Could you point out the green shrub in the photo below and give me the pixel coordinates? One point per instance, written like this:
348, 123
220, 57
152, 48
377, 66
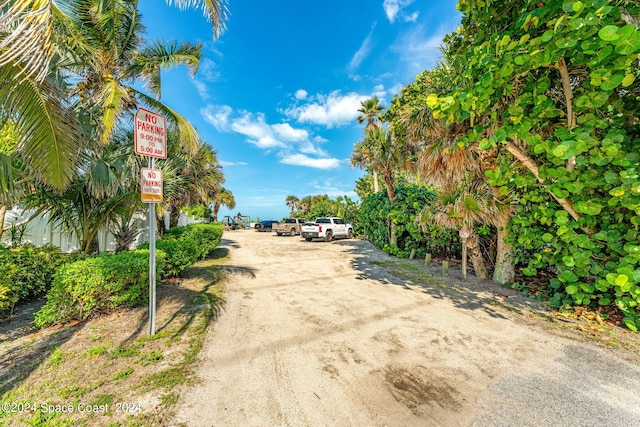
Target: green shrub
98, 285
376, 212
26, 272
205, 235
180, 255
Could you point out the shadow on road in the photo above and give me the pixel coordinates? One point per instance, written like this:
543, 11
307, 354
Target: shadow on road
474, 294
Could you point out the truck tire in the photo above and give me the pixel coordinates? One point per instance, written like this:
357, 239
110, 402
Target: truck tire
292, 232
308, 239
328, 236
278, 233
349, 233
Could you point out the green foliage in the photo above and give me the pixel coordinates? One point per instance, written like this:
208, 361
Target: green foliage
180, 255
197, 211
514, 57
376, 212
97, 285
26, 272
206, 236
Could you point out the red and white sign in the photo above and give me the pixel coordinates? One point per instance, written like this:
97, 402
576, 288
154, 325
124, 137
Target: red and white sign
150, 134
464, 233
151, 185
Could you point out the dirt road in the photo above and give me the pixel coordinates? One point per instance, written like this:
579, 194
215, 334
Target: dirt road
318, 334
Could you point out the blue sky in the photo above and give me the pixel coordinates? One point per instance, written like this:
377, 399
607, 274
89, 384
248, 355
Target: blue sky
277, 94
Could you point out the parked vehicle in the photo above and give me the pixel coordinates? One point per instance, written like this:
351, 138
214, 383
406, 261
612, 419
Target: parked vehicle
290, 226
265, 225
230, 223
327, 229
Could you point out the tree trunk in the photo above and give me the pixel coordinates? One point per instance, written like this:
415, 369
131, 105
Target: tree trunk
3, 213
375, 182
568, 95
391, 193
533, 168
504, 272
174, 216
479, 268
216, 208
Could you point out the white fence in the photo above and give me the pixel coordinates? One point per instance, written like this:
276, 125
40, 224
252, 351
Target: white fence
40, 231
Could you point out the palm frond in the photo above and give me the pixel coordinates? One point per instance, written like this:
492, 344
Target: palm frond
189, 137
158, 56
26, 28
50, 140
215, 11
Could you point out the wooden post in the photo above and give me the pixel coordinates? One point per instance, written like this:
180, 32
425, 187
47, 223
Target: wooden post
427, 259
464, 259
412, 255
445, 268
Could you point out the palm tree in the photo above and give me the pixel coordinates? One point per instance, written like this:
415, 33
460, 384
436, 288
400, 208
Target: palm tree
472, 202
371, 110
379, 151
197, 179
223, 197
292, 203
32, 33
450, 167
117, 57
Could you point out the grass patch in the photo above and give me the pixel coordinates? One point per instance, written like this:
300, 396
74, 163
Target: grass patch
98, 350
166, 379
112, 359
153, 356
123, 352
122, 374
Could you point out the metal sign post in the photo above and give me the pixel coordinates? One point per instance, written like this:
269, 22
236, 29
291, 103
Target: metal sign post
150, 139
152, 263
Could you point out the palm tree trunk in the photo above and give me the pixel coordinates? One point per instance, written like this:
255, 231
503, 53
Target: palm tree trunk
216, 208
3, 213
375, 182
473, 244
504, 272
388, 181
174, 217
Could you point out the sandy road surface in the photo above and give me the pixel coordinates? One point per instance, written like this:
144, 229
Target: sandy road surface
316, 334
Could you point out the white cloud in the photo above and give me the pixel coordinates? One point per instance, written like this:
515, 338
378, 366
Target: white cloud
217, 115
228, 164
257, 130
301, 94
304, 160
208, 70
329, 110
393, 8
362, 52
201, 88
419, 50
379, 91
412, 18
288, 133
294, 145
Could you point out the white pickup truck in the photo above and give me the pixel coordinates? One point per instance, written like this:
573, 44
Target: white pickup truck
327, 229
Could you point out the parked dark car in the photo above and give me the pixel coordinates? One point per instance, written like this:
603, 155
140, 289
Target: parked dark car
265, 225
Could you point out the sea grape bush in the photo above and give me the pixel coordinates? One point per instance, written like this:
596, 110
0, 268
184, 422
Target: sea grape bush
376, 212
554, 87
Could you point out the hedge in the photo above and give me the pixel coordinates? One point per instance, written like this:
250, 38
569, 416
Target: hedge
180, 254
27, 272
97, 285
205, 235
